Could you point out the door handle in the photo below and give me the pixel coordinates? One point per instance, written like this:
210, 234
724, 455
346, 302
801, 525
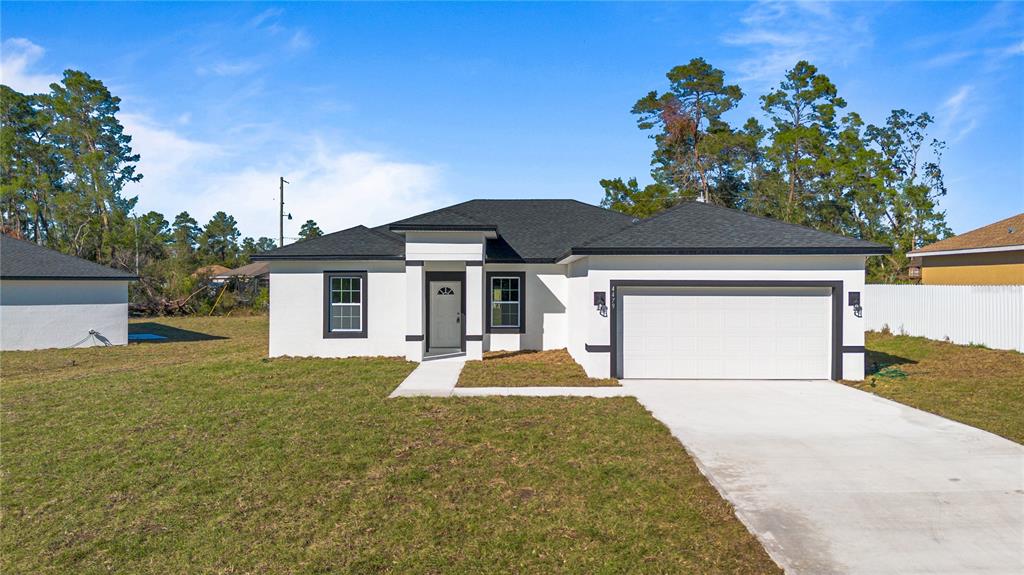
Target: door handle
458, 318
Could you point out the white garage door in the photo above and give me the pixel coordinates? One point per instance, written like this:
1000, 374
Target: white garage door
725, 333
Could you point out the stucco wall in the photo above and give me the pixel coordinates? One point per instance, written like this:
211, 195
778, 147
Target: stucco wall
602, 269
559, 302
997, 268
297, 310
41, 314
547, 299
444, 246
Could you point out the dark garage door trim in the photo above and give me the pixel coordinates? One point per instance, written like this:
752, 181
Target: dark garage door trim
837, 310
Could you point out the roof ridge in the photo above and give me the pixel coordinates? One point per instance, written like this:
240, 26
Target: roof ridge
450, 208
385, 235
765, 218
773, 220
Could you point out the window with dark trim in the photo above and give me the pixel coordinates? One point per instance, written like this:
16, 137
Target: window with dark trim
345, 304
506, 302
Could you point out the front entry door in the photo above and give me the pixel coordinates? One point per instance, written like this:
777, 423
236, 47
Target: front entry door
445, 316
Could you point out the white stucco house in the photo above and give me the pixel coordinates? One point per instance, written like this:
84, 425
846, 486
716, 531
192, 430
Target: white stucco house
49, 299
698, 291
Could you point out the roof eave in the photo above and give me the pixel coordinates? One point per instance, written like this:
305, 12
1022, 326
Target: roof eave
75, 278
985, 250
442, 228
321, 257
848, 251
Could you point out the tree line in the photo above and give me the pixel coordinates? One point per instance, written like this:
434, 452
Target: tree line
66, 160
806, 160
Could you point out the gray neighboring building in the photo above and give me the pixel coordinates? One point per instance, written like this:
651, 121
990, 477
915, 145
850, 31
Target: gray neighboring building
53, 300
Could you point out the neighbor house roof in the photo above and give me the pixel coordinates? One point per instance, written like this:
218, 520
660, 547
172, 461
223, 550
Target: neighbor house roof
1004, 235
255, 269
544, 231
22, 260
211, 270
701, 228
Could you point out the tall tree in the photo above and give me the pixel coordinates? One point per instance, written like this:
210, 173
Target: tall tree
185, 233
219, 240
904, 212
30, 167
99, 162
628, 198
691, 138
309, 230
803, 115
251, 247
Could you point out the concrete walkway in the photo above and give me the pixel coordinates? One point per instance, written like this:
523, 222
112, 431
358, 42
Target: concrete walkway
432, 378
835, 480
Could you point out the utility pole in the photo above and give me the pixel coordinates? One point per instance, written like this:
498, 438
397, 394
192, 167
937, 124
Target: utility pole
280, 238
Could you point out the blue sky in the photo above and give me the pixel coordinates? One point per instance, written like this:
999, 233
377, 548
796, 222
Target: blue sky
379, 111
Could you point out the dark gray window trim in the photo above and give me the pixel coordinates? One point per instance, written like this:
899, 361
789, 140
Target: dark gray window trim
854, 349
326, 298
414, 338
597, 348
488, 294
837, 309
414, 263
446, 276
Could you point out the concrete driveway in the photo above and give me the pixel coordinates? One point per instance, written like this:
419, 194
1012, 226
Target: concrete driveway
834, 480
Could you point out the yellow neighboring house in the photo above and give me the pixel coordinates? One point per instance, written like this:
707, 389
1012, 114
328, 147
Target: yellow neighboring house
991, 255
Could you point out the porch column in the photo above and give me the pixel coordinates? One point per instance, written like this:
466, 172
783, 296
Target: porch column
414, 335
474, 310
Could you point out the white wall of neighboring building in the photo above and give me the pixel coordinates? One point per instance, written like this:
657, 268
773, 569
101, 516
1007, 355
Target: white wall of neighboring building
297, 309
41, 314
600, 270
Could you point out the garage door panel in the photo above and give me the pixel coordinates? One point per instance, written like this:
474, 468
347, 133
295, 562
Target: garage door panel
726, 333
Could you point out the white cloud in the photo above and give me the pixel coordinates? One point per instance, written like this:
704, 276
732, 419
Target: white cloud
779, 35
238, 172
339, 189
18, 55
299, 41
225, 68
1015, 49
958, 115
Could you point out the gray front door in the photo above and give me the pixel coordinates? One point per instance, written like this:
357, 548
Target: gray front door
445, 316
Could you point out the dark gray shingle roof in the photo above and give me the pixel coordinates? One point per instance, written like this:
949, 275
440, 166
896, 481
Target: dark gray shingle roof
538, 231
358, 243
25, 260
699, 228
528, 230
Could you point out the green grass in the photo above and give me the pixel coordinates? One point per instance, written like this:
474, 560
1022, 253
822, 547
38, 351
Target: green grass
201, 456
528, 368
971, 384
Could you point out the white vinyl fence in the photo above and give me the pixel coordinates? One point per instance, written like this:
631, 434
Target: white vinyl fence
992, 316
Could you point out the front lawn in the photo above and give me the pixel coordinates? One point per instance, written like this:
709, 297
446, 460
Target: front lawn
527, 369
201, 456
974, 385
